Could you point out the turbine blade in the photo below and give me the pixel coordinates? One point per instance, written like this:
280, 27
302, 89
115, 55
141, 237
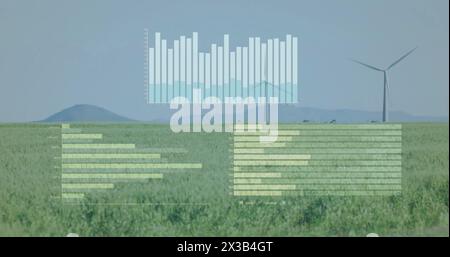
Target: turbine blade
401, 58
278, 87
367, 65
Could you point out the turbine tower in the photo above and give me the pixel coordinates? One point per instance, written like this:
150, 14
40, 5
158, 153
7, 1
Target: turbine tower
386, 81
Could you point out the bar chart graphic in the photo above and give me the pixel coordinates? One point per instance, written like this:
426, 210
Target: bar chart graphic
90, 166
319, 159
260, 69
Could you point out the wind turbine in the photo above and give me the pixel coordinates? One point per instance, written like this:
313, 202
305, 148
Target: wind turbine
265, 83
386, 82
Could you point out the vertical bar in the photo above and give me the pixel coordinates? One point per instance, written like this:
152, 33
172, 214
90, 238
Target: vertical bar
207, 75
232, 84
195, 59
164, 71
226, 65
295, 69
157, 66
213, 69
183, 66
220, 72
282, 72
276, 68
289, 68
146, 67
238, 71
176, 50
151, 68
257, 86
251, 67
270, 66
201, 69
189, 68
169, 75
263, 88
245, 72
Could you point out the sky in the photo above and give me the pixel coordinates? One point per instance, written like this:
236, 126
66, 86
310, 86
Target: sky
58, 53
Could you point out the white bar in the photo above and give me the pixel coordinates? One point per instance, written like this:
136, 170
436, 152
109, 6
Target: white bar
282, 72
289, 68
208, 73
163, 64
183, 66
276, 60
201, 76
158, 58
201, 68
257, 87
170, 68
238, 71
232, 74
151, 67
251, 64
189, 62
170, 86
220, 71
176, 50
195, 58
263, 65
213, 69
264, 87
232, 65
226, 64
245, 71
294, 68
270, 63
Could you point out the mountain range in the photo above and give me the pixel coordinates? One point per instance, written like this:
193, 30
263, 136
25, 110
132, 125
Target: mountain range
287, 114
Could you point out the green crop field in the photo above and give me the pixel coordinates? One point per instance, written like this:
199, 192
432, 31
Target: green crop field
197, 201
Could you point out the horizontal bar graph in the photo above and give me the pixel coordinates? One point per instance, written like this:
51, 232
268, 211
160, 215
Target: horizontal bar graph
111, 176
318, 159
92, 167
72, 195
111, 156
98, 146
261, 69
131, 166
82, 136
88, 186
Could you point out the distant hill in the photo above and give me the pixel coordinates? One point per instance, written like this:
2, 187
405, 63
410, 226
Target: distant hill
85, 113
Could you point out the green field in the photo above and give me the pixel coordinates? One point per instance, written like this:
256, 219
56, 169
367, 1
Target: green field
198, 202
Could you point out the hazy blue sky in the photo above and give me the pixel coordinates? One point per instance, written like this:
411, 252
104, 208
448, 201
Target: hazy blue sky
54, 54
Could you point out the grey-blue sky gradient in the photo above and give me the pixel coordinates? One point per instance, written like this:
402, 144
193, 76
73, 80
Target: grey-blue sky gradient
54, 54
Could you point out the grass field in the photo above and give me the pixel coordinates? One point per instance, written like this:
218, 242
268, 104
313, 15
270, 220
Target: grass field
197, 203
